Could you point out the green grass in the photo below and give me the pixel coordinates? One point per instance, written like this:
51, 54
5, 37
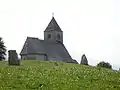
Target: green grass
36, 75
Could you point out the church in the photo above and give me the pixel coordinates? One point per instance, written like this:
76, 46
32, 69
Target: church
49, 49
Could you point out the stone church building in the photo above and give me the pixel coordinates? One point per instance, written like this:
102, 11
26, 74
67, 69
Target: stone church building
49, 49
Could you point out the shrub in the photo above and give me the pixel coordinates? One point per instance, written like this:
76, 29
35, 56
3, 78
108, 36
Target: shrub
104, 64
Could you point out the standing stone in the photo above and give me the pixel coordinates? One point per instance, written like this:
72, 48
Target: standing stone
84, 60
13, 58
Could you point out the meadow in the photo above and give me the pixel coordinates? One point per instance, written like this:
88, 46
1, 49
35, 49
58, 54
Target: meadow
39, 75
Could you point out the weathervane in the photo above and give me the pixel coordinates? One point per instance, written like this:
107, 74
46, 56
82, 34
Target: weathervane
53, 14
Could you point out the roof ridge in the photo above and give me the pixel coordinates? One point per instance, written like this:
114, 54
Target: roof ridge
32, 38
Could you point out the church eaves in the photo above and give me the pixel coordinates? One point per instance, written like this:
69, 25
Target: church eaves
53, 26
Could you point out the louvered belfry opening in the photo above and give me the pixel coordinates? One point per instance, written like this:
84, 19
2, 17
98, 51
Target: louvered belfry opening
53, 32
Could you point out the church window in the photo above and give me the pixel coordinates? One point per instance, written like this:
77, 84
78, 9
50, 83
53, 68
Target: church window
58, 36
49, 35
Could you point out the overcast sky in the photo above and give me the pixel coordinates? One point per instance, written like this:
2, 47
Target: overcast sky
90, 26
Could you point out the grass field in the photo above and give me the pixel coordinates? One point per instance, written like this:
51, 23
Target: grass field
36, 75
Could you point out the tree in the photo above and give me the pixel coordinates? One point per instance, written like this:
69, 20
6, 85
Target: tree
84, 60
2, 50
104, 64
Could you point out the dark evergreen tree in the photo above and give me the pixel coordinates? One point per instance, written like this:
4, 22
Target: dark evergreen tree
104, 64
84, 60
2, 50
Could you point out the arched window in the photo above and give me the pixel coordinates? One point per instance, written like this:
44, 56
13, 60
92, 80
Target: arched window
49, 35
58, 36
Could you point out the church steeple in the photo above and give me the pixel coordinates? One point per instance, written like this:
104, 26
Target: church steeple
53, 26
53, 32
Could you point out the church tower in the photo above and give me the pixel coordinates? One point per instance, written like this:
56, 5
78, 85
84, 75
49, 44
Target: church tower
53, 32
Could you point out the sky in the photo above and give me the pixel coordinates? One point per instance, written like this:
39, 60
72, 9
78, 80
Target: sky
90, 27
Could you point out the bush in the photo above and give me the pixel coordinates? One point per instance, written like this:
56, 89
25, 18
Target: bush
104, 64
84, 60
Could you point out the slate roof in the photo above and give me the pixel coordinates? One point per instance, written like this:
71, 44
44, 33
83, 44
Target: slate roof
74, 61
52, 49
53, 26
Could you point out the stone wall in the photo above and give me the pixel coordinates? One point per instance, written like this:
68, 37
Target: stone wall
34, 57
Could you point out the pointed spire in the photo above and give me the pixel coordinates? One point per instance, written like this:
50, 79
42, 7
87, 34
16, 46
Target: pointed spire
53, 25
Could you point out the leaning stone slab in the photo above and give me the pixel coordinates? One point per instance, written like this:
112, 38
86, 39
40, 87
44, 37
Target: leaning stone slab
13, 58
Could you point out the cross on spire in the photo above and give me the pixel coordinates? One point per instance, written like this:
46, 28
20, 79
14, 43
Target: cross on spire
53, 14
